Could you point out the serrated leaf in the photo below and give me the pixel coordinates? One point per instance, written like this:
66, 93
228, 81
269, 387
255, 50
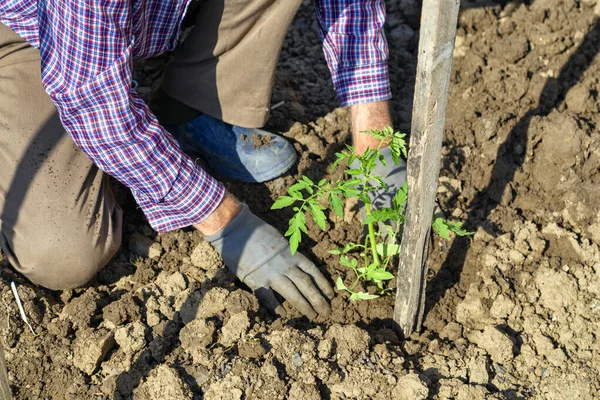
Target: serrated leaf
349, 262
456, 227
321, 182
295, 241
317, 213
339, 158
400, 198
388, 249
381, 275
440, 226
283, 201
337, 205
353, 171
352, 182
362, 296
383, 215
295, 194
307, 180
351, 192
339, 284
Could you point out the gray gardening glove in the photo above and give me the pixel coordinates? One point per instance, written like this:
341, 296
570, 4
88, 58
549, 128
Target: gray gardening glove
260, 257
394, 176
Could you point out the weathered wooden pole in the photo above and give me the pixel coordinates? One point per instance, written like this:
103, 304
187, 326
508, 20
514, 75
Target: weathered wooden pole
436, 44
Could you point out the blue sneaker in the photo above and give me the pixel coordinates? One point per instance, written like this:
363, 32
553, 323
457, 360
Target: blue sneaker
233, 152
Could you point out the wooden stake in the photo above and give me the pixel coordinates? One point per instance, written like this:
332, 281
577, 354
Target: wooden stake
436, 44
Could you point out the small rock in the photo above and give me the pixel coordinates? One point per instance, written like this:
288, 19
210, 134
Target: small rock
478, 372
452, 331
410, 387
251, 349
90, 348
543, 345
502, 307
206, 257
304, 391
123, 310
234, 329
144, 246
203, 305
131, 337
82, 309
325, 349
197, 334
163, 383
297, 360
239, 301
557, 357
498, 345
350, 342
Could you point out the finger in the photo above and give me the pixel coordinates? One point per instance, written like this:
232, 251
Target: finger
311, 269
266, 297
287, 289
307, 287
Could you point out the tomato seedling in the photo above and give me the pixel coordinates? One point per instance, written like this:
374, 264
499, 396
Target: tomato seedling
369, 260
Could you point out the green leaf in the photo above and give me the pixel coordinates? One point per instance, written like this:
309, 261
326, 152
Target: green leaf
440, 226
339, 158
342, 250
283, 201
339, 284
383, 215
400, 198
353, 171
337, 205
362, 296
351, 182
388, 249
295, 194
351, 192
349, 262
456, 227
295, 240
381, 275
317, 213
321, 182
297, 222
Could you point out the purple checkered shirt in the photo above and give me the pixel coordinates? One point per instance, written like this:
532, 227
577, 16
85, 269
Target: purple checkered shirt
87, 49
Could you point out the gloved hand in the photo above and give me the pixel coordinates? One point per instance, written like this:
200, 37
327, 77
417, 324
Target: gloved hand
260, 257
394, 176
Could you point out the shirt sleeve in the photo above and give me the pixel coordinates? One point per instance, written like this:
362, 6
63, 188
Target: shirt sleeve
86, 50
355, 48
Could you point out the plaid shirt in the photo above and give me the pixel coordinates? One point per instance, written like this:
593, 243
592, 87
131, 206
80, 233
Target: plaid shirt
87, 50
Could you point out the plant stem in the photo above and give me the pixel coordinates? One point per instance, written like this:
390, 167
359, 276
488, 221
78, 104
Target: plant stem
372, 236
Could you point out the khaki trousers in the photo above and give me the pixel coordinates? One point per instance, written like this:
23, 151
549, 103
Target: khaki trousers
59, 223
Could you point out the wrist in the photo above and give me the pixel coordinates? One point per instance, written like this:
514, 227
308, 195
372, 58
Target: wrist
366, 117
225, 212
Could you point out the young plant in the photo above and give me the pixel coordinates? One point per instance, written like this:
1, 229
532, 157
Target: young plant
369, 260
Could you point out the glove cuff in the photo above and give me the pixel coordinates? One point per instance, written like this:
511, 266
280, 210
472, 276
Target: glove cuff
234, 225
247, 243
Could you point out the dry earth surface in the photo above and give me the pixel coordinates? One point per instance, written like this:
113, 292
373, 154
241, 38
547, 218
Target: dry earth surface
512, 312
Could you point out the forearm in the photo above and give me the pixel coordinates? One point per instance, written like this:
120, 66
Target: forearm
226, 211
366, 117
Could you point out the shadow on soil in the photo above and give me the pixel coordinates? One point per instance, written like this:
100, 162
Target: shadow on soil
507, 164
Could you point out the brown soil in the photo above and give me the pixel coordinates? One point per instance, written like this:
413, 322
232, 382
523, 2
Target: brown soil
512, 312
